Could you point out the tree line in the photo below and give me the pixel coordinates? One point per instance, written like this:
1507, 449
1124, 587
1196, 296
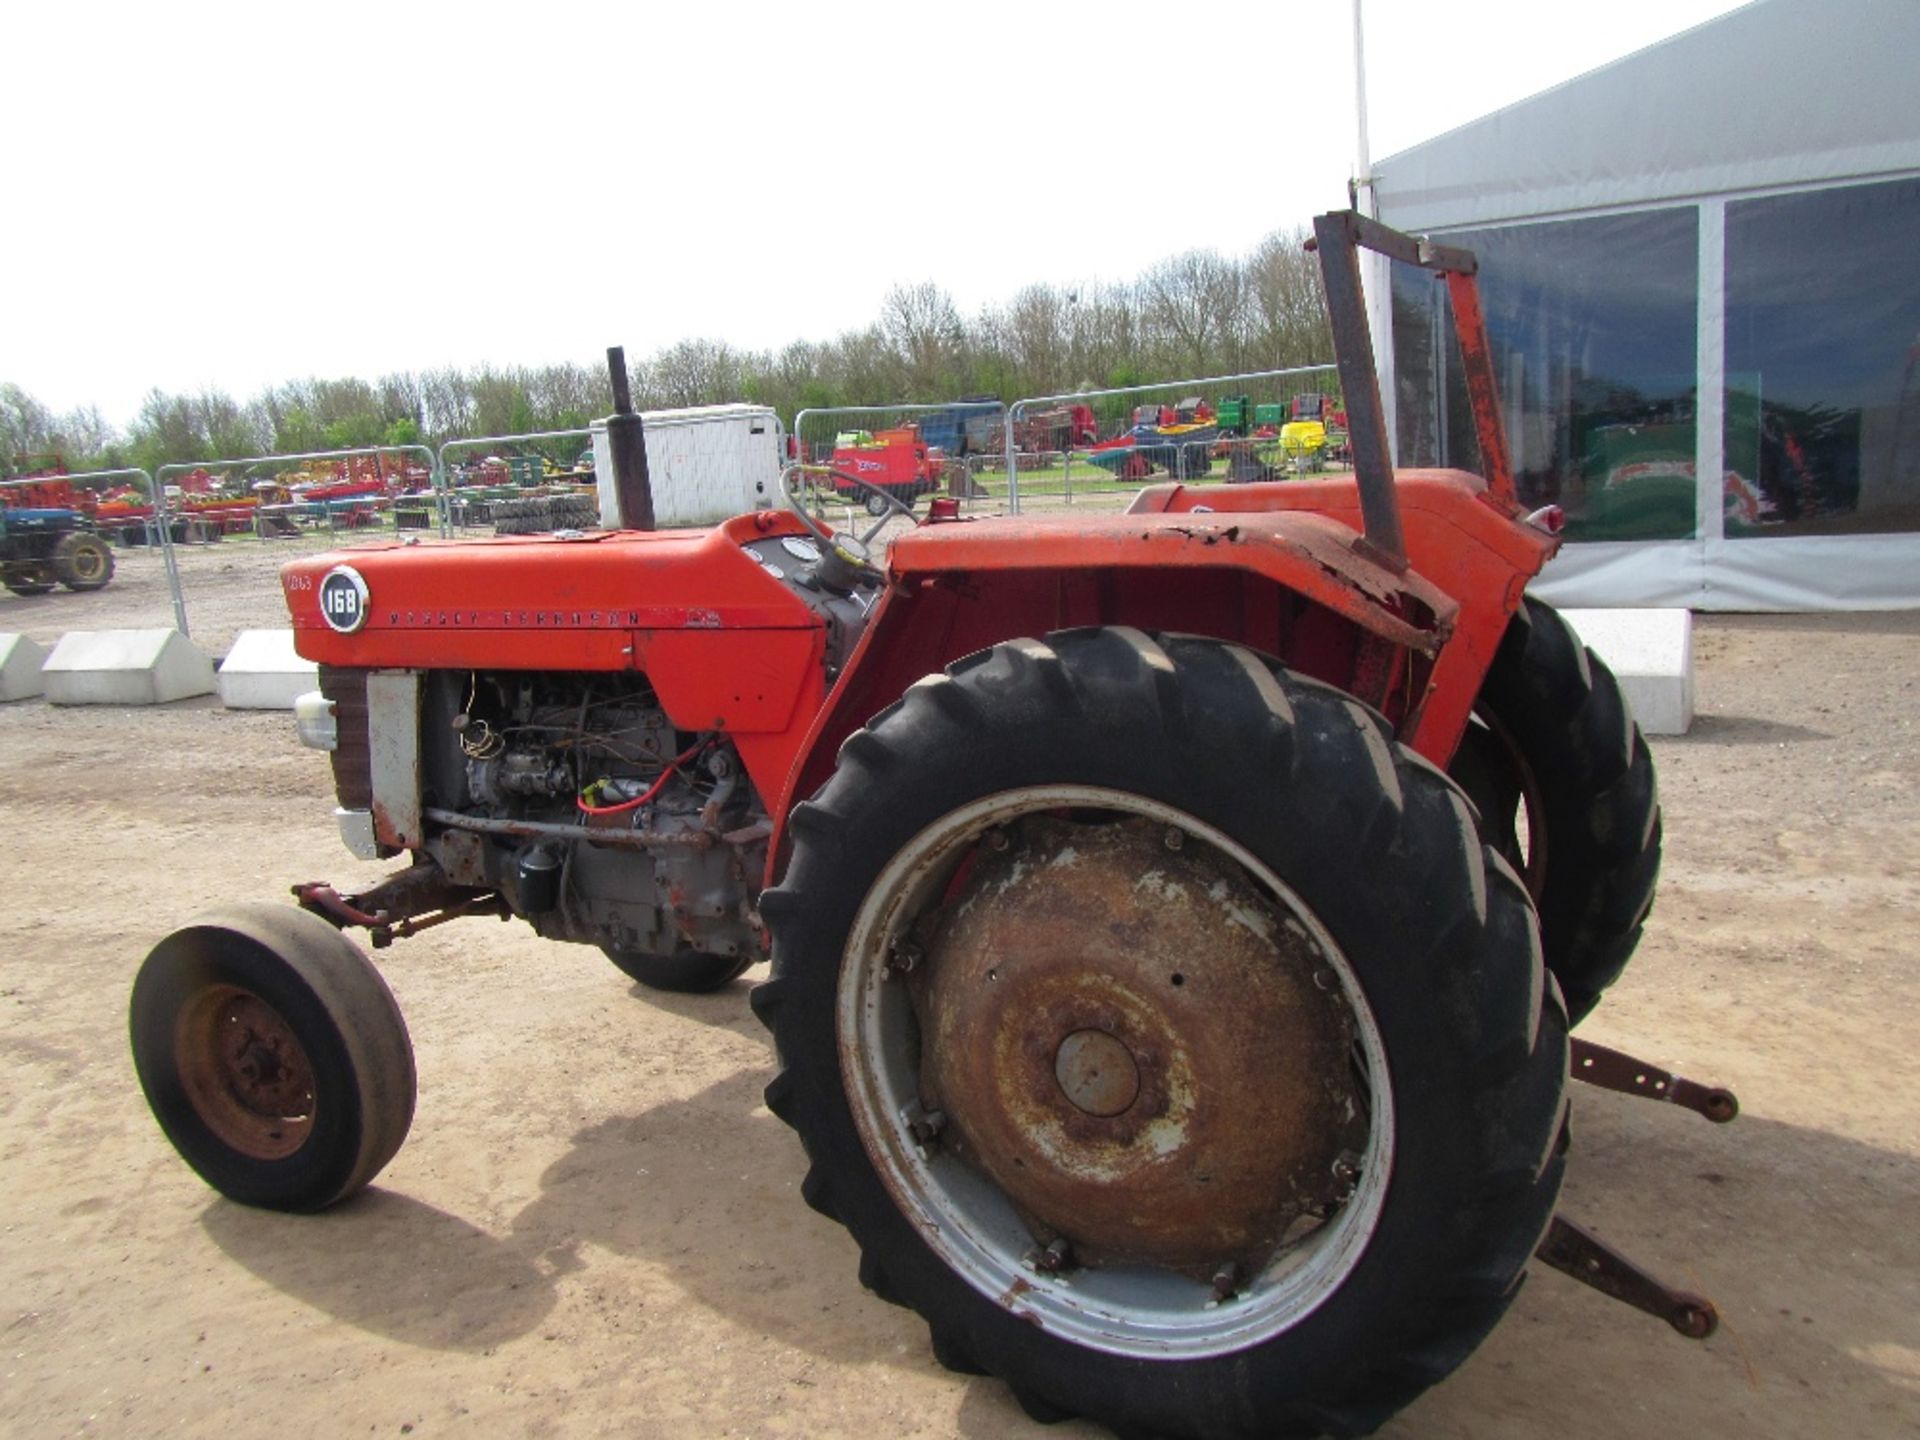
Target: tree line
1199, 313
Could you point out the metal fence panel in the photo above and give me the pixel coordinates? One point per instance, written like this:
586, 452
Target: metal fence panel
491, 480
1100, 446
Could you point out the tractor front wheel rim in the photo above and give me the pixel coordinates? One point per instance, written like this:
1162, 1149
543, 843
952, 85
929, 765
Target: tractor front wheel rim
245, 1072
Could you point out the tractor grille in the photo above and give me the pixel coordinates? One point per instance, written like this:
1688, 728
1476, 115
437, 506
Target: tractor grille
352, 754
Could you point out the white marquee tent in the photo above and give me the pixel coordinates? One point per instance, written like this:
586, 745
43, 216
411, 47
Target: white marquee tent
1702, 270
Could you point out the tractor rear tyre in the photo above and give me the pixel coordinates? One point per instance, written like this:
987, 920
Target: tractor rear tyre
1121, 1076
689, 972
574, 512
273, 1056
522, 517
82, 561
1554, 745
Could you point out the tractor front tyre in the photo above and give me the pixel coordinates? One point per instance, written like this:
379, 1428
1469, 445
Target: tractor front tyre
687, 972
1565, 788
1180, 1100
273, 1056
82, 561
30, 577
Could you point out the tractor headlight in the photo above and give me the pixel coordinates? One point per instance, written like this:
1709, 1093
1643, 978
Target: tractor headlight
313, 718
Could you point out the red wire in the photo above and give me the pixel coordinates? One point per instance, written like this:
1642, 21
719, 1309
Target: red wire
651, 791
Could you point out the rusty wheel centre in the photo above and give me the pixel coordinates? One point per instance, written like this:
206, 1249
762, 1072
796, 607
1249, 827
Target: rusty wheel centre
1128, 1038
246, 1072
1124, 1076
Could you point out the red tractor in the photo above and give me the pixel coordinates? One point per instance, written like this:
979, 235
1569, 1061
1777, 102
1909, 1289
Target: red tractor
1176, 918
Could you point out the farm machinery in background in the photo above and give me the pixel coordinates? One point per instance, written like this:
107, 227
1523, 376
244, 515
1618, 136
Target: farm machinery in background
1055, 430
47, 534
1178, 439
1176, 917
971, 425
885, 470
1315, 433
1259, 441
201, 507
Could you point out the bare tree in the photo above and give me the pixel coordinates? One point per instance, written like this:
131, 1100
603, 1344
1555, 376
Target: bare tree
1289, 312
925, 333
1192, 307
26, 426
694, 372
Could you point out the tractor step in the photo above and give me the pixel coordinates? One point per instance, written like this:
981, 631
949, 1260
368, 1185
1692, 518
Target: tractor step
1617, 1070
1573, 1250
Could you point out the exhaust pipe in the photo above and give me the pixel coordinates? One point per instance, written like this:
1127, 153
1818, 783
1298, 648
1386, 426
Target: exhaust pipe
627, 444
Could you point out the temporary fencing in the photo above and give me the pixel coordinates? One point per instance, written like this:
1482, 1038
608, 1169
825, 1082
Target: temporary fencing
516, 483
1100, 446
1093, 447
907, 450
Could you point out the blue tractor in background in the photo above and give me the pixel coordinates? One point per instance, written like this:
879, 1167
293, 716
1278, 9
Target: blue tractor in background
47, 538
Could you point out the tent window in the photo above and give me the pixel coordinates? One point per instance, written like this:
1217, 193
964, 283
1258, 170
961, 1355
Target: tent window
1823, 362
1593, 326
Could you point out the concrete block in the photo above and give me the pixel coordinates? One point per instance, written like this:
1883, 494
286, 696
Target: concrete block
1651, 653
20, 662
261, 672
125, 667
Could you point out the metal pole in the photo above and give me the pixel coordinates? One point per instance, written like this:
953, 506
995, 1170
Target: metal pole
168, 560
1013, 464
1364, 162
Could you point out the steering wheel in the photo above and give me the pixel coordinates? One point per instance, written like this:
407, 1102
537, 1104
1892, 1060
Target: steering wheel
860, 547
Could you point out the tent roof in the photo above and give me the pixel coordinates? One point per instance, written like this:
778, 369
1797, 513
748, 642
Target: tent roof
1778, 93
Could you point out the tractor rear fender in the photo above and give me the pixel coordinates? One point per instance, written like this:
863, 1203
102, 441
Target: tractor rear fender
1476, 547
1300, 588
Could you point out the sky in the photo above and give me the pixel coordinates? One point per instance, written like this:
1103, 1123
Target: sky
210, 194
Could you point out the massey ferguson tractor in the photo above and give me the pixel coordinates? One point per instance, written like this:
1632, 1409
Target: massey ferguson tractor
1176, 917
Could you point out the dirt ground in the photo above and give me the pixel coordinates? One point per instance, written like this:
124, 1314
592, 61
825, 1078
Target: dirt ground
596, 1227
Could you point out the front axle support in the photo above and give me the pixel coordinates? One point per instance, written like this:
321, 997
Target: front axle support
414, 899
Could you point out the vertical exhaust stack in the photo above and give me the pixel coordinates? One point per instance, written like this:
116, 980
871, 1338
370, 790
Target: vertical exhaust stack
627, 445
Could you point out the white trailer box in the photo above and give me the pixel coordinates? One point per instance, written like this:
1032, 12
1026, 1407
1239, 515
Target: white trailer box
706, 463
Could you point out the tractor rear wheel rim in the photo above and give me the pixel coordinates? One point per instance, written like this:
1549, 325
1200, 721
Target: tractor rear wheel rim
1037, 1181
246, 1072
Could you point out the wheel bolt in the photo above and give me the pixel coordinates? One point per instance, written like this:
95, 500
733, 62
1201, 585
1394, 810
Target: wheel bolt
997, 839
1346, 1172
1174, 837
1226, 1282
906, 955
926, 1128
1051, 1261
